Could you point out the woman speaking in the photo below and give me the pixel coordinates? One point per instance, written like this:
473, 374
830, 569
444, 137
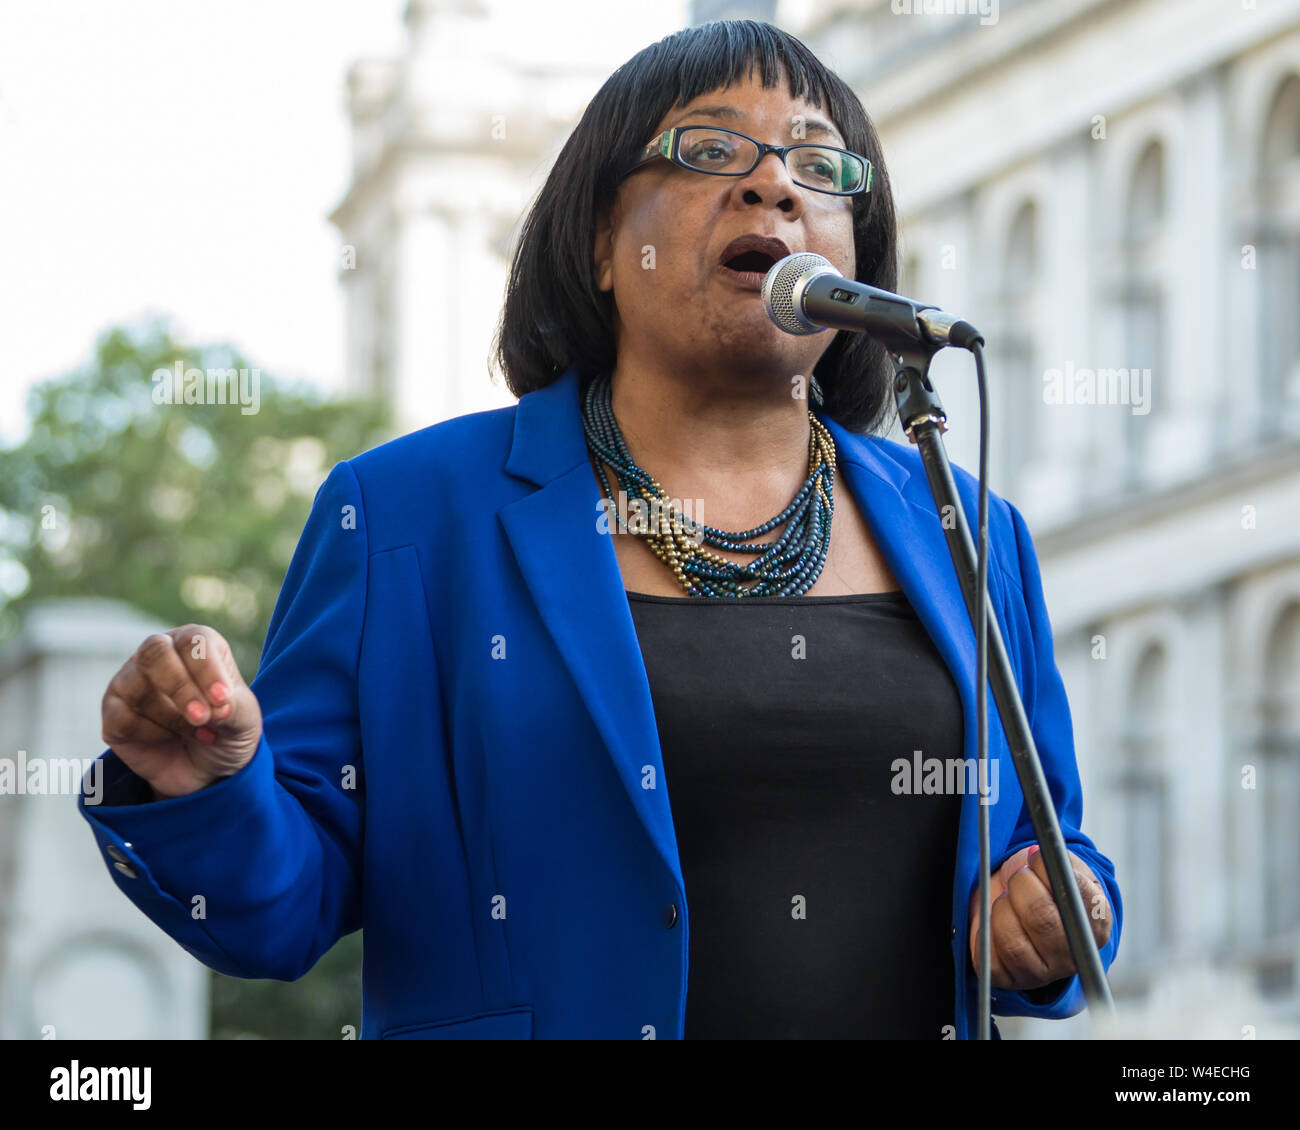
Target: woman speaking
629, 711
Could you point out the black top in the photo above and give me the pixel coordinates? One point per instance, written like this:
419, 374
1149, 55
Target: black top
819, 893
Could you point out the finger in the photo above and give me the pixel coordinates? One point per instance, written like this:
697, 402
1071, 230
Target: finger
1095, 902
164, 667
122, 724
211, 666
1098, 908
1082, 872
146, 703
996, 887
996, 891
1031, 896
1014, 863
999, 974
1016, 952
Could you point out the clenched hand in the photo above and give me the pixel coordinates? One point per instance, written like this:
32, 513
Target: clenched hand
179, 714
1027, 943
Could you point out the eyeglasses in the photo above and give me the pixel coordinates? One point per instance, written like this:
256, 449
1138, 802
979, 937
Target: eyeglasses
726, 153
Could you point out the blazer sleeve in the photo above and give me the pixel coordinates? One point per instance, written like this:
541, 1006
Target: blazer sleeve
259, 874
1048, 712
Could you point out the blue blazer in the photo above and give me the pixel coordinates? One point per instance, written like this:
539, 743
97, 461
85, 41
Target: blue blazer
457, 728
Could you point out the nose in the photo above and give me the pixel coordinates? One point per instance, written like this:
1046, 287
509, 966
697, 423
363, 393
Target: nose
769, 182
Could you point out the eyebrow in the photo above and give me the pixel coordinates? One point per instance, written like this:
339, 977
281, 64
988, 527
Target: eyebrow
730, 113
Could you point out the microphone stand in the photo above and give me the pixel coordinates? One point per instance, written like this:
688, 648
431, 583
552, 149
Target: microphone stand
923, 420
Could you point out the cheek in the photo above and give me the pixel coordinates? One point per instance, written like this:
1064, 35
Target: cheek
848, 266
832, 236
657, 243
641, 254
651, 252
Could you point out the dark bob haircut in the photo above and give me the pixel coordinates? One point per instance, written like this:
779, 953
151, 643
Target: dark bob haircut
554, 313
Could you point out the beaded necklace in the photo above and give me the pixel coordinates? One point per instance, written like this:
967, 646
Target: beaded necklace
788, 566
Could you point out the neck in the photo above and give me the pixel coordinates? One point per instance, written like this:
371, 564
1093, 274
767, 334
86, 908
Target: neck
738, 440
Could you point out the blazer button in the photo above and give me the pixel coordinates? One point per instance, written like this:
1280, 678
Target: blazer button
113, 851
126, 870
670, 916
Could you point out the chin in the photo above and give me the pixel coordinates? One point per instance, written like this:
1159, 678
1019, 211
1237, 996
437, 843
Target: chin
775, 361
760, 338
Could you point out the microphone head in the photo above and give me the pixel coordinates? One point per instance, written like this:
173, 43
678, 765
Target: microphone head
783, 290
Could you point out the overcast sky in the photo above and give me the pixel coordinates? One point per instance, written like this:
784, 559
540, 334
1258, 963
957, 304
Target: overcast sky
180, 157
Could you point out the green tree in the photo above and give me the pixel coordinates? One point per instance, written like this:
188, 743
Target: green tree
189, 512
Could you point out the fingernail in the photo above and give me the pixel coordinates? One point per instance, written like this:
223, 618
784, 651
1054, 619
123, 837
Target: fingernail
205, 735
1033, 849
196, 710
218, 692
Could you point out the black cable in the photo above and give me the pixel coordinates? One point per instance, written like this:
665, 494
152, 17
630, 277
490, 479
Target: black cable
981, 699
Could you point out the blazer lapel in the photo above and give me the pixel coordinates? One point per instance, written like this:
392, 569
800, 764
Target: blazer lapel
572, 573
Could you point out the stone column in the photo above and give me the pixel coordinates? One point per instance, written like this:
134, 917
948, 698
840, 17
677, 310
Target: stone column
78, 960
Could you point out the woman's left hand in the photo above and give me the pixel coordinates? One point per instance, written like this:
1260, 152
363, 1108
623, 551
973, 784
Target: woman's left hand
1027, 944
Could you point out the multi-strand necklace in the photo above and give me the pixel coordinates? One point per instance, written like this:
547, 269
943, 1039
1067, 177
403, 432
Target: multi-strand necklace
788, 566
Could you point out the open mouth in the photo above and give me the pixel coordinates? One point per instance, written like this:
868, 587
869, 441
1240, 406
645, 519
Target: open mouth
750, 262
747, 259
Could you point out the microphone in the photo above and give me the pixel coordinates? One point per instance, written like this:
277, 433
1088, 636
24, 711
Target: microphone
805, 294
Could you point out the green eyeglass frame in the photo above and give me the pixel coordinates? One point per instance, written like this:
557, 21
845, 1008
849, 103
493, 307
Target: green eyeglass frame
668, 144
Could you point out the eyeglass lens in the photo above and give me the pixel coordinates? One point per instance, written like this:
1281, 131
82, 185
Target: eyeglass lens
813, 166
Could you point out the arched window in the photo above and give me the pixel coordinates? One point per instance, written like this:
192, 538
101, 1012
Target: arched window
1144, 302
1279, 774
1143, 789
1279, 263
1020, 384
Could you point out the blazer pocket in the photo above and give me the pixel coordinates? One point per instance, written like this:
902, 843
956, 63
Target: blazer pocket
510, 1024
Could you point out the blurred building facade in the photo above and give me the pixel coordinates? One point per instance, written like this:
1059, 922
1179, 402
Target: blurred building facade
1111, 192
438, 190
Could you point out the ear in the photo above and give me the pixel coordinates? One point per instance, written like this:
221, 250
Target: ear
604, 249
